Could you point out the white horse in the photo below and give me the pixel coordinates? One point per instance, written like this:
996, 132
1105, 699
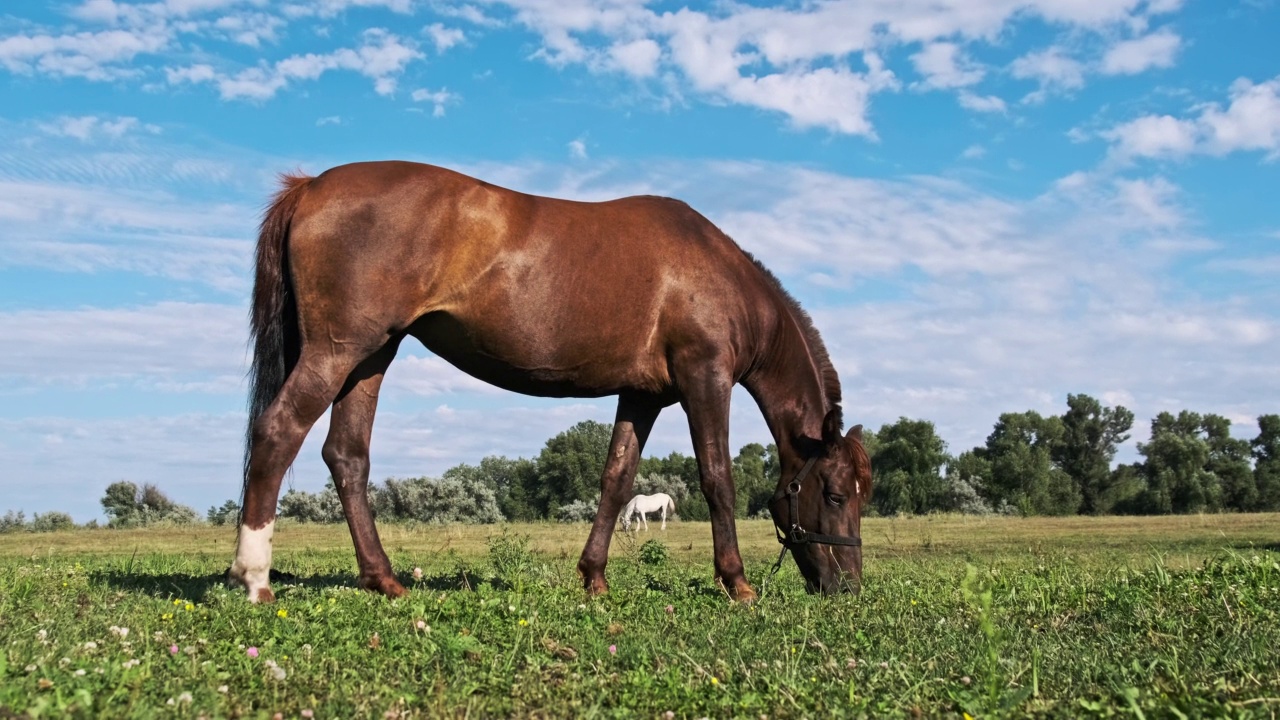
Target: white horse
644, 504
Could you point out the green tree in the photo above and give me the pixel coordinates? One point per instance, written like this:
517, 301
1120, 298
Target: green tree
510, 480
1022, 470
906, 466
569, 467
1266, 457
1125, 491
1229, 464
1087, 445
228, 514
1176, 460
755, 478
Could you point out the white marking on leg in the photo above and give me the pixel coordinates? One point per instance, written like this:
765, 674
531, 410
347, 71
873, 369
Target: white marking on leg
253, 559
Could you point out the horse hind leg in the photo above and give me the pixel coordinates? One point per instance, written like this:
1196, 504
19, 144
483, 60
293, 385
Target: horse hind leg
631, 428
276, 437
346, 452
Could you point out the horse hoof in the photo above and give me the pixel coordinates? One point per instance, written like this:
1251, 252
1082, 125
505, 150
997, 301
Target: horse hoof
741, 592
596, 586
259, 593
384, 585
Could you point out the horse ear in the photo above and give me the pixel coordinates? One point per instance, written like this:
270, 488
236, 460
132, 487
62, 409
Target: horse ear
831, 425
855, 433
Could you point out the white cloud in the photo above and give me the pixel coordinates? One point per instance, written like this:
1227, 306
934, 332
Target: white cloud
578, 149
1251, 122
88, 127
90, 55
1131, 57
981, 103
1052, 68
637, 57
801, 60
146, 345
944, 66
438, 98
973, 152
381, 57
329, 120
444, 37
1154, 136
468, 13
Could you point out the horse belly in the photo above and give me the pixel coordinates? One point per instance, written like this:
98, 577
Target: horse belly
523, 357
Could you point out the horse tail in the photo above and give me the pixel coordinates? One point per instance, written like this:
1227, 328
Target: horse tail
273, 319
671, 505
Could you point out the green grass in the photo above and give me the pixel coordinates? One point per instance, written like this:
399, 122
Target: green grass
1156, 617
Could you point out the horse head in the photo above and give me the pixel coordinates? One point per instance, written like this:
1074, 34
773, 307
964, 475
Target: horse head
818, 512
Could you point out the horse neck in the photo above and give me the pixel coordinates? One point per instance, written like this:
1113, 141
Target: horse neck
787, 386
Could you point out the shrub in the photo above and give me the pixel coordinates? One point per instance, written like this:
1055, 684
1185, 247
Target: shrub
653, 552
127, 505
51, 522
577, 511
962, 497
436, 501
13, 522
303, 506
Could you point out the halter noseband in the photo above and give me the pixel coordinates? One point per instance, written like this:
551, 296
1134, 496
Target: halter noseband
797, 535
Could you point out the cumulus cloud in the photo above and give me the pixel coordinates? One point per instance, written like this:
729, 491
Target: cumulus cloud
981, 103
97, 55
439, 99
1249, 122
1053, 68
381, 57
444, 37
1130, 57
943, 65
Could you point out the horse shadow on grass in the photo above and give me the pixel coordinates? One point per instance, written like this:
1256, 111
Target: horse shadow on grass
1267, 546
195, 587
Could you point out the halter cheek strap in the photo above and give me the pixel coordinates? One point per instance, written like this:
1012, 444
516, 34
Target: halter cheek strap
797, 535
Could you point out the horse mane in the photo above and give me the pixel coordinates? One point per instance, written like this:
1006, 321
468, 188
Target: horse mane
817, 349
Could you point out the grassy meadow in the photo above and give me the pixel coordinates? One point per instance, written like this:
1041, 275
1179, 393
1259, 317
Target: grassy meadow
989, 617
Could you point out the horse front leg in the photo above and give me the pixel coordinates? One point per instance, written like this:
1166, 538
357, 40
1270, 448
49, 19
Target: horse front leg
631, 428
706, 402
346, 452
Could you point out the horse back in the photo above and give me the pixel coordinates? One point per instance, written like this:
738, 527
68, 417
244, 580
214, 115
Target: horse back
536, 294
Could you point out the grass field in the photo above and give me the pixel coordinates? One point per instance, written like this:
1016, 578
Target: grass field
1000, 617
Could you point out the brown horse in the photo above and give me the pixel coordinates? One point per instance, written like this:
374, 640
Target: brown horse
640, 297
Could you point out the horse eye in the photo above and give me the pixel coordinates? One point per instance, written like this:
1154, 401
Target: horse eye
835, 498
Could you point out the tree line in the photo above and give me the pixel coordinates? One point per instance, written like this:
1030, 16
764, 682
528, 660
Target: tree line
1030, 464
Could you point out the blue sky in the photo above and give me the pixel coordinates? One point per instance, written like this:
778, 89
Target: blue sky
986, 204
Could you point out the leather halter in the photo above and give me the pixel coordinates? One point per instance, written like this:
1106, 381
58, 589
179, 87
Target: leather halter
797, 535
